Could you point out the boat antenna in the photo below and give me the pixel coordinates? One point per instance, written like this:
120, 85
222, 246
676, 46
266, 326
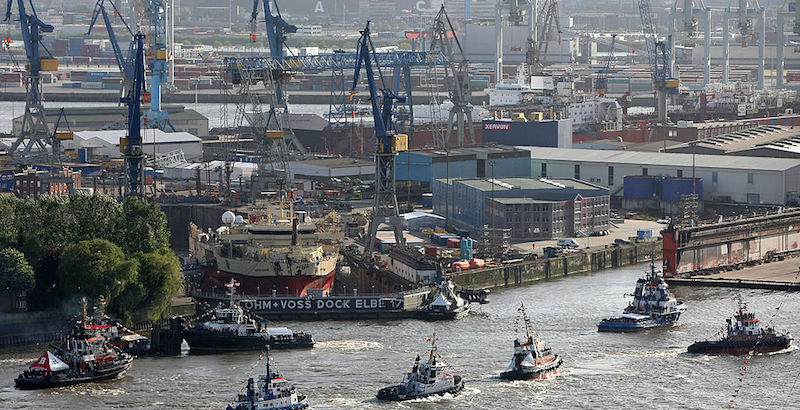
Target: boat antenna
526, 321
232, 289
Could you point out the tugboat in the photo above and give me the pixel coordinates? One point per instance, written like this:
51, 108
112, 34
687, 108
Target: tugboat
533, 359
744, 334
116, 333
270, 391
83, 356
232, 330
443, 303
427, 378
653, 306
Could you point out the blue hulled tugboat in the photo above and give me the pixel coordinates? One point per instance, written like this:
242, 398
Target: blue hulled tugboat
744, 334
533, 359
653, 306
427, 378
270, 392
232, 330
83, 356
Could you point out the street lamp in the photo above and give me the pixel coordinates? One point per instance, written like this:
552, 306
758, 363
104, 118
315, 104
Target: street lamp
213, 291
491, 207
258, 288
287, 291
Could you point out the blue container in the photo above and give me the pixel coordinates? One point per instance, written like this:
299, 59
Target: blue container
6, 182
427, 200
639, 187
83, 155
644, 234
95, 76
672, 189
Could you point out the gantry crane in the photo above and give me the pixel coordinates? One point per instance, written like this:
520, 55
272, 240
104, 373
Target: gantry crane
131, 145
744, 24
277, 30
658, 57
602, 77
35, 135
125, 63
791, 10
456, 80
691, 10
540, 34
388, 142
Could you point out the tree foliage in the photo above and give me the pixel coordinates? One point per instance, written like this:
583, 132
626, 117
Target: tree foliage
160, 275
143, 227
15, 273
95, 268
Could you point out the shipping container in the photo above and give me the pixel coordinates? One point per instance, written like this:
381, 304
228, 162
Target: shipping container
672, 189
639, 187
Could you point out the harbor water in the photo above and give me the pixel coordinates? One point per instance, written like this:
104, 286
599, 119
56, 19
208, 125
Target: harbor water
352, 360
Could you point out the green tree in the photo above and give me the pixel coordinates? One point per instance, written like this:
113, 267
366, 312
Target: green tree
16, 274
96, 268
142, 227
93, 217
9, 232
160, 276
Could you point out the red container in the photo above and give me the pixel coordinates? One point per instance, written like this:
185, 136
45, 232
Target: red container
431, 251
454, 243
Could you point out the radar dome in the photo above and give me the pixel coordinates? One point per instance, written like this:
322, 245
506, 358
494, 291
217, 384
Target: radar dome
228, 217
239, 219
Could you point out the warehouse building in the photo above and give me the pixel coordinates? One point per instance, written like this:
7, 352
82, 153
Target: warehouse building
533, 208
764, 141
323, 169
469, 162
115, 118
105, 144
726, 178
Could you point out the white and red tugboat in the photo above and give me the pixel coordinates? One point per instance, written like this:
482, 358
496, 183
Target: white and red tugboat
533, 359
745, 334
83, 356
270, 392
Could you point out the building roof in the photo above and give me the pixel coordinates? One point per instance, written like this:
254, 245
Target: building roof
506, 184
662, 158
153, 136
336, 162
119, 113
512, 201
739, 140
455, 154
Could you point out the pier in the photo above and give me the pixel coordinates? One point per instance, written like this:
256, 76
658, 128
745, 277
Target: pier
779, 275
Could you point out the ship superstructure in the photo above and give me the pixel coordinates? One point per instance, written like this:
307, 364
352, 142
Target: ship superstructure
533, 358
744, 334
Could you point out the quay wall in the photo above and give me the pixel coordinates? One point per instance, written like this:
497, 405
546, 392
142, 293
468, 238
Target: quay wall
543, 269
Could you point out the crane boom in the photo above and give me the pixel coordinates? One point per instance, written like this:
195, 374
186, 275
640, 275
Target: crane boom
125, 64
131, 146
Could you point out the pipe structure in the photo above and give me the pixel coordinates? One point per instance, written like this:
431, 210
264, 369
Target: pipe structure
498, 51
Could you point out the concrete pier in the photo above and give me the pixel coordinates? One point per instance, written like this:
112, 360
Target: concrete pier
780, 275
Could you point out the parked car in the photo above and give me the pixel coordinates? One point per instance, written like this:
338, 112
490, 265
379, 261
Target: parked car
664, 221
620, 241
567, 242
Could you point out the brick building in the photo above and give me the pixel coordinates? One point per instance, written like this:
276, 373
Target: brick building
33, 183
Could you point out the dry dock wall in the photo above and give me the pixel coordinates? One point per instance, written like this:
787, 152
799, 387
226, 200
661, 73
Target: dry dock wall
542, 269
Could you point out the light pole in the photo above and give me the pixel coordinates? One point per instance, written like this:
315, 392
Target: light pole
258, 288
491, 207
287, 291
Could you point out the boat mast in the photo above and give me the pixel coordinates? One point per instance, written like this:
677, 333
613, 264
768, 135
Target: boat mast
527, 323
433, 348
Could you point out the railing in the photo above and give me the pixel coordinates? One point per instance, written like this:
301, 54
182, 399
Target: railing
337, 61
147, 325
17, 340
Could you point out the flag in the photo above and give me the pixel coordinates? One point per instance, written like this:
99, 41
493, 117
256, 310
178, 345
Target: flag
260, 356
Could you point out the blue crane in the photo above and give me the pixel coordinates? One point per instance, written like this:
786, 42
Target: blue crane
602, 77
125, 63
277, 30
388, 142
158, 63
658, 56
35, 131
131, 145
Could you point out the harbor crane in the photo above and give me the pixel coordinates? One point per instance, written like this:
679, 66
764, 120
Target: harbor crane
131, 145
277, 125
388, 142
689, 13
37, 141
791, 10
743, 14
456, 80
159, 60
602, 77
658, 56
125, 63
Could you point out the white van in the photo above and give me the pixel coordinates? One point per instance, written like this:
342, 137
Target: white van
567, 242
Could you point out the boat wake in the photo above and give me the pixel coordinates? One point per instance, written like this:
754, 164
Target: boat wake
349, 345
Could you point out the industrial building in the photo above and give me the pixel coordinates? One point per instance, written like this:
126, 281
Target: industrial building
33, 183
727, 178
533, 208
520, 131
468, 162
764, 141
105, 144
115, 118
323, 169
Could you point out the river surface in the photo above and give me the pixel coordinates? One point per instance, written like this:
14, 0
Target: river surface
352, 360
